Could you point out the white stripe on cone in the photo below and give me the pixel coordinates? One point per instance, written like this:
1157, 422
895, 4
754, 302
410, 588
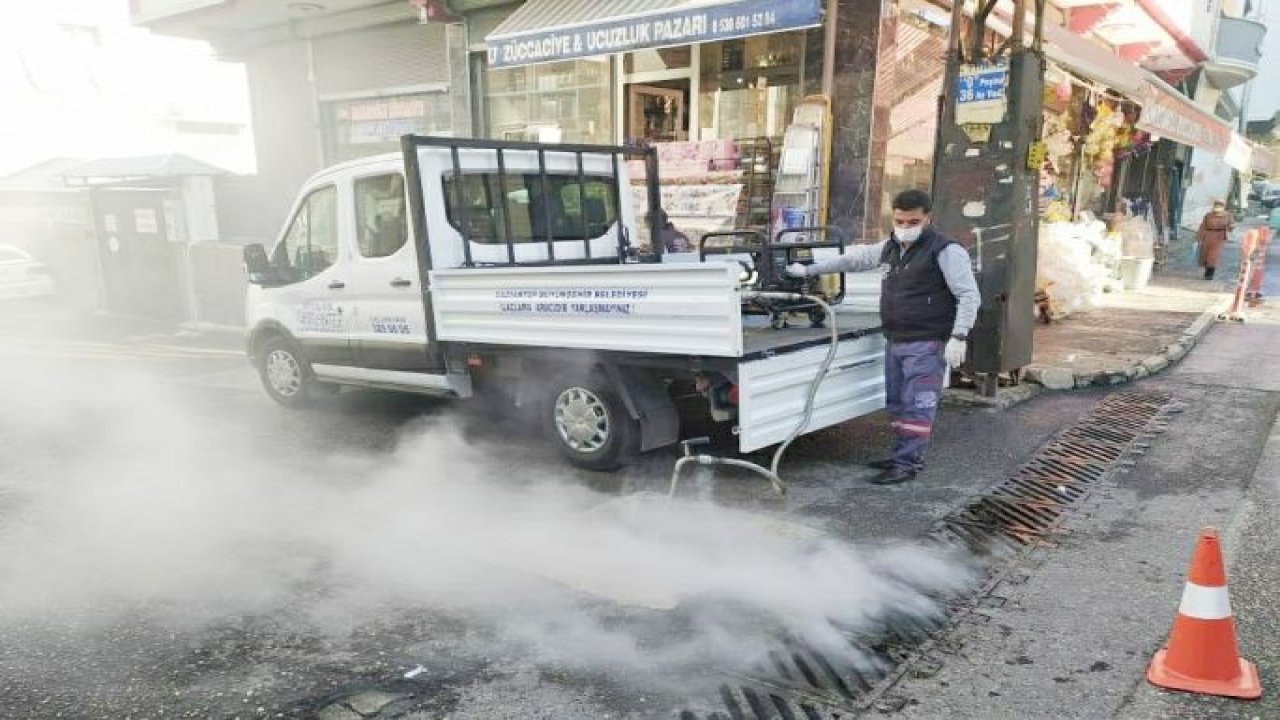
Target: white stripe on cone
1205, 603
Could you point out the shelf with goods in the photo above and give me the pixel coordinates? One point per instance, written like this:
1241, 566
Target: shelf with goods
564, 101
701, 186
758, 158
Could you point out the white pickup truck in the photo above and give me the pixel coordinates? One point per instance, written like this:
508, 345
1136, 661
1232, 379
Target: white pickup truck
518, 272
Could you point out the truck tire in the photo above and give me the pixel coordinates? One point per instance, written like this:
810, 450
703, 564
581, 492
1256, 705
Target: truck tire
586, 420
286, 375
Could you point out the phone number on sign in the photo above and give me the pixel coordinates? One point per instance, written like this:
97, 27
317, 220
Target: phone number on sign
754, 21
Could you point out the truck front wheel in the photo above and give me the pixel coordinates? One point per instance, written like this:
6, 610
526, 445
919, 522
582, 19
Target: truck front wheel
286, 374
586, 420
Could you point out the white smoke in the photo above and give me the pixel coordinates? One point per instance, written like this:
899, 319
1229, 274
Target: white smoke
133, 494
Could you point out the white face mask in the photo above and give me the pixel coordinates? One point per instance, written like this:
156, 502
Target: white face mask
907, 236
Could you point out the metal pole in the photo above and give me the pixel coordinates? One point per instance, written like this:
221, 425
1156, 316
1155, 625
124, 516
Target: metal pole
1019, 25
957, 20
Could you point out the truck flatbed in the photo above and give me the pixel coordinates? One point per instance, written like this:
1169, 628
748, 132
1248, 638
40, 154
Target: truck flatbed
761, 341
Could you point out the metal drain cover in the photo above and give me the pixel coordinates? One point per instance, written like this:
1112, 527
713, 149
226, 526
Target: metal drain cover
799, 683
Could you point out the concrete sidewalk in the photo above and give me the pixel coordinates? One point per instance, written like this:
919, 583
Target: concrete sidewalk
1126, 336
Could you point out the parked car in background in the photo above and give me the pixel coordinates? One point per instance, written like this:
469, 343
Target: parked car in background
1257, 188
1271, 197
22, 276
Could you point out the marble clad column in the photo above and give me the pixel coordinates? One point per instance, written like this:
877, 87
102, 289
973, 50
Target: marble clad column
863, 27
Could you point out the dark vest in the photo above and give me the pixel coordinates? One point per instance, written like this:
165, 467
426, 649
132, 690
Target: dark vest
915, 302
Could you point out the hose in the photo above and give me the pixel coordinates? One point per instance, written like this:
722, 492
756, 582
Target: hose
771, 472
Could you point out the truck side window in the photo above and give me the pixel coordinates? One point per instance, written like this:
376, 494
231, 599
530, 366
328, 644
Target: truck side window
382, 226
488, 204
311, 244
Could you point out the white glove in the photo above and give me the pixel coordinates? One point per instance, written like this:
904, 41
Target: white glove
798, 270
956, 351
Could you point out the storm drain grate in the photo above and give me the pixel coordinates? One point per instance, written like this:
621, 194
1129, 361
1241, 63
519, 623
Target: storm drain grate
801, 683
1032, 504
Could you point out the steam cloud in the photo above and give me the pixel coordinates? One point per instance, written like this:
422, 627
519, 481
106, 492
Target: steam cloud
146, 501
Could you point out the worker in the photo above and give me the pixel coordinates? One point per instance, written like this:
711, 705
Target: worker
1215, 226
928, 303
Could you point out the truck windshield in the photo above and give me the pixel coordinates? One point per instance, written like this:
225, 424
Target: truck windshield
311, 244
493, 205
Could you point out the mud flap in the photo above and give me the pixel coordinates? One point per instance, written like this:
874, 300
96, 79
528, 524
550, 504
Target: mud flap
647, 401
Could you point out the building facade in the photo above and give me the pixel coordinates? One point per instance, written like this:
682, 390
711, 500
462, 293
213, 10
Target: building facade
713, 84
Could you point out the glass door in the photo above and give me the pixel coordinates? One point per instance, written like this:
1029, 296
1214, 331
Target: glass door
658, 114
658, 95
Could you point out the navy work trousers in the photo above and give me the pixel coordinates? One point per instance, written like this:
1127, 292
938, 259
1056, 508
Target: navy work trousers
913, 374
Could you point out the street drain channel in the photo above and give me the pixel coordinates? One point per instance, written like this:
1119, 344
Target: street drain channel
801, 683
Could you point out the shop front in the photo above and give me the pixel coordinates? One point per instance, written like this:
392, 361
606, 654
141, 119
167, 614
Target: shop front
713, 86
1114, 158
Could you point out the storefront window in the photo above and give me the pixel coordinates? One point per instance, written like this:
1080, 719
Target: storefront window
643, 61
749, 87
369, 126
918, 61
553, 102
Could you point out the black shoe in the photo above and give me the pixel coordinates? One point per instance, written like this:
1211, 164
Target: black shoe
886, 464
893, 476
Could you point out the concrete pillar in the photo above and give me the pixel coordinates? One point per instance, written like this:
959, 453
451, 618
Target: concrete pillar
459, 78
861, 127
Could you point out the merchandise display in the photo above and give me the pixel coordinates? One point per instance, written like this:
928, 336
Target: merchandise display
1077, 263
707, 185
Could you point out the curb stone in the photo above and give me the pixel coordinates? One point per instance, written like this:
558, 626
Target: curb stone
1039, 378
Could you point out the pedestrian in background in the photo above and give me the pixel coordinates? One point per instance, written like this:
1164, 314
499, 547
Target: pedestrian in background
673, 241
1273, 220
1212, 235
928, 303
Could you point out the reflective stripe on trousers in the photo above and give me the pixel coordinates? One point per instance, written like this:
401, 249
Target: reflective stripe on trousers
913, 375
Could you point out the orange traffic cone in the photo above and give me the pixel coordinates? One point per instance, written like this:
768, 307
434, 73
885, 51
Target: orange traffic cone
1202, 656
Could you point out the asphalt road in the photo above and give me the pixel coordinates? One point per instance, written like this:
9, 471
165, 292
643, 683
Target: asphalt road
174, 545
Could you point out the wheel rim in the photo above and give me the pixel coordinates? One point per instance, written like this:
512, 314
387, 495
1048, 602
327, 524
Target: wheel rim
284, 373
582, 420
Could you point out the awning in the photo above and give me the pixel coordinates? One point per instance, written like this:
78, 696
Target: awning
1168, 113
1075, 53
1165, 111
550, 30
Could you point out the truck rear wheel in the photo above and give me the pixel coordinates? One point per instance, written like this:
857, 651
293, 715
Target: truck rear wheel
585, 418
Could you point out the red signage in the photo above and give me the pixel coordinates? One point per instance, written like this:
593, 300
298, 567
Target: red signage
1167, 113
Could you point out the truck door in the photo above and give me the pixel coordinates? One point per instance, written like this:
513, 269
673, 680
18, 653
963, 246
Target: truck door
314, 303
389, 321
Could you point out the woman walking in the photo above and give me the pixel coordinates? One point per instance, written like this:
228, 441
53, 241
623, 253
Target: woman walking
1213, 232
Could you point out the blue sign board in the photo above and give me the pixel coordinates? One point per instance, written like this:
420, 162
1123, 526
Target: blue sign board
982, 83
677, 26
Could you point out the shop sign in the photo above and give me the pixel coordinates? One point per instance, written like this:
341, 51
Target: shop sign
1168, 114
981, 92
679, 26
145, 221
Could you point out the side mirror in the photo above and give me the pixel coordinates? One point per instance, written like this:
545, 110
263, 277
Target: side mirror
256, 264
